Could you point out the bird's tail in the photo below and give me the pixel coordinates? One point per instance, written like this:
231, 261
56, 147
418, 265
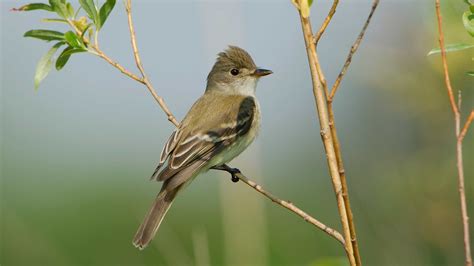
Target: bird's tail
150, 225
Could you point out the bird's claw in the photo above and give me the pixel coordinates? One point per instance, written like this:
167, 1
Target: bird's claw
233, 172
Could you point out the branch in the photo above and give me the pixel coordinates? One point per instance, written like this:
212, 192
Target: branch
159, 100
460, 136
291, 207
117, 65
144, 79
447, 81
322, 113
236, 175
340, 165
466, 126
332, 124
326, 22
354, 48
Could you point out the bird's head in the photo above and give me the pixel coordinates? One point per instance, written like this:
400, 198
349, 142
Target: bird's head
235, 72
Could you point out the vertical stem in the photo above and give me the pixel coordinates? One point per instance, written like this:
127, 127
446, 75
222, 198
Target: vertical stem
459, 137
340, 164
345, 190
462, 196
326, 136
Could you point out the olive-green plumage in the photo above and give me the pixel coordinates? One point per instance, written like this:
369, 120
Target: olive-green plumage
217, 128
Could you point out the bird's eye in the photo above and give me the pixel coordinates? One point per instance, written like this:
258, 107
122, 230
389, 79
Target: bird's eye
234, 72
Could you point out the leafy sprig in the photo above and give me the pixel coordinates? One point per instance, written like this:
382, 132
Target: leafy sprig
77, 40
468, 22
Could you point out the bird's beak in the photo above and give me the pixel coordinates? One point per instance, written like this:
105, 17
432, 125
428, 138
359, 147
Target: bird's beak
260, 72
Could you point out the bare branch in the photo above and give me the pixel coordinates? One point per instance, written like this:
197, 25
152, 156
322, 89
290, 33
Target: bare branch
460, 136
340, 164
322, 113
466, 126
342, 172
354, 48
326, 22
159, 100
291, 207
447, 81
117, 65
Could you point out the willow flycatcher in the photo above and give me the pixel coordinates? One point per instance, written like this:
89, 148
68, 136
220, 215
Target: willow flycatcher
218, 127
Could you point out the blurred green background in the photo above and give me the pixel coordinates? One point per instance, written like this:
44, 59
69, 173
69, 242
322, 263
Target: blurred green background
76, 155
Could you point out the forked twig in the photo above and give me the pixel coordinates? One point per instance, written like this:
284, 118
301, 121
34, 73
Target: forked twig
326, 136
465, 128
325, 24
459, 137
159, 100
354, 48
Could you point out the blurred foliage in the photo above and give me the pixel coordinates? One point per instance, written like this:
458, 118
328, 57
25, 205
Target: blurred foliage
468, 18
468, 22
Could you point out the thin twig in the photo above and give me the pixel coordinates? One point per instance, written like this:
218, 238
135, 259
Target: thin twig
460, 136
354, 48
342, 172
117, 65
290, 206
465, 128
322, 113
326, 22
447, 81
159, 100
332, 124
337, 145
462, 196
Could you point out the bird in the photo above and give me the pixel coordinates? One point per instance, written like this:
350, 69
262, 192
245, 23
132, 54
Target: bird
220, 125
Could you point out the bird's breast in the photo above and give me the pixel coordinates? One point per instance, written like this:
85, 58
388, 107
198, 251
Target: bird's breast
241, 143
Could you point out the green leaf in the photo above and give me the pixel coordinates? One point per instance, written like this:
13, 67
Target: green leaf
47, 35
468, 21
54, 20
34, 6
451, 48
470, 73
310, 2
65, 55
91, 10
60, 8
70, 10
73, 40
105, 11
44, 65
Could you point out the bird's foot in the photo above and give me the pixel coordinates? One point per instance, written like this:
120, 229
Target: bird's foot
232, 171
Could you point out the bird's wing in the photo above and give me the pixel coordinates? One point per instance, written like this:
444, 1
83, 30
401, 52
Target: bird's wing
166, 151
210, 126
